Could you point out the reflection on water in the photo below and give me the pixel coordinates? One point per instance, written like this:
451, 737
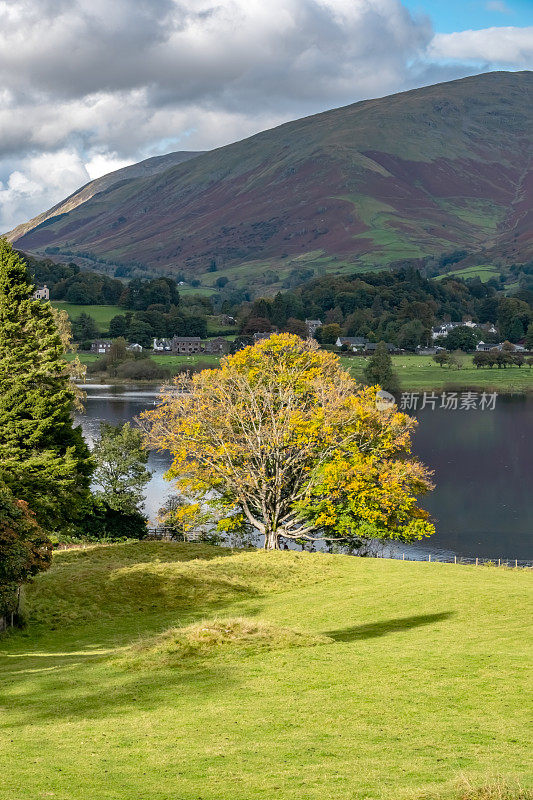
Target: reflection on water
482, 464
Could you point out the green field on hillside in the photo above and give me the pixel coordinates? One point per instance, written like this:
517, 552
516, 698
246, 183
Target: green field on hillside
155, 671
102, 315
483, 271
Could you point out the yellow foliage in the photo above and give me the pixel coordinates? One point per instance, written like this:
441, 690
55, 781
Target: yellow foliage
283, 436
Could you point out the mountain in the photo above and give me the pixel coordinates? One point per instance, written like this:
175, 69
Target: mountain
143, 169
417, 174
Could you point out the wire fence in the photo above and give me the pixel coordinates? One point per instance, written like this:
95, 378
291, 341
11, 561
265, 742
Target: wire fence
168, 534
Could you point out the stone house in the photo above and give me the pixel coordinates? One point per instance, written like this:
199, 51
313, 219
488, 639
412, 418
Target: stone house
217, 346
186, 345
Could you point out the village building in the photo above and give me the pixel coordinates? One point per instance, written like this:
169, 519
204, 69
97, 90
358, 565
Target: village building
353, 343
161, 345
371, 347
312, 326
217, 346
444, 328
42, 293
186, 345
134, 347
101, 347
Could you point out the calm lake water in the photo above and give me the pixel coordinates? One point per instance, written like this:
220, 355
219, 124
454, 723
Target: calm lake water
482, 463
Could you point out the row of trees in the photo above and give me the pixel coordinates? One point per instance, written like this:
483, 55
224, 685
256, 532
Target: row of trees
501, 359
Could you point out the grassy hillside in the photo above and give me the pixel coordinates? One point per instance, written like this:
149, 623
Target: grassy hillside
417, 174
160, 671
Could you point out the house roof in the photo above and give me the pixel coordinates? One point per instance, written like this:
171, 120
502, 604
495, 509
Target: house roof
373, 346
353, 339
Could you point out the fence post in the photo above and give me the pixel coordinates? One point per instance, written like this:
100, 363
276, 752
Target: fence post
403, 556
455, 559
499, 560
477, 560
429, 557
516, 563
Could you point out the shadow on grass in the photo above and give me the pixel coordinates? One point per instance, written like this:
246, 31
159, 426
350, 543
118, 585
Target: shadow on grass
375, 629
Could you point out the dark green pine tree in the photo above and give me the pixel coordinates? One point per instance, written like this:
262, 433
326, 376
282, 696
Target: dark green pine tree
43, 457
379, 370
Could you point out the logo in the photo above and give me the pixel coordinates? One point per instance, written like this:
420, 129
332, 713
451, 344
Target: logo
384, 400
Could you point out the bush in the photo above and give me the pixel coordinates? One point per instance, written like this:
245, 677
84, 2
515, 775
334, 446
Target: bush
198, 366
104, 522
142, 369
24, 549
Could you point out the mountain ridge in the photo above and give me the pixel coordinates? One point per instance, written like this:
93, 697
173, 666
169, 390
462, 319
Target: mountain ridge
408, 176
145, 168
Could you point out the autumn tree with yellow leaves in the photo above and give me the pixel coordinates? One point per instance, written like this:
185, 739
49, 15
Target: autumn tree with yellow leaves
283, 439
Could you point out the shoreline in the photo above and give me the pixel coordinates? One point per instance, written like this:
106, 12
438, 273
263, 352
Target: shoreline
447, 387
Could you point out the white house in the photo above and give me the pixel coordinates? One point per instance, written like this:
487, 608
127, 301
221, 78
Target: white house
134, 347
161, 345
444, 328
42, 293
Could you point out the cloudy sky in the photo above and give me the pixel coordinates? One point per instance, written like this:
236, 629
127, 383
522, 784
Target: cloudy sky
87, 86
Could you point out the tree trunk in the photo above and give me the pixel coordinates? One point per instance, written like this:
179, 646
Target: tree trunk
271, 540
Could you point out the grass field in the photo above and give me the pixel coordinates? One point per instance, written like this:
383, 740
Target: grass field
102, 315
484, 272
420, 372
309, 676
172, 362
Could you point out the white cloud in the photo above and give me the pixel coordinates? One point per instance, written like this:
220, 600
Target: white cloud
37, 183
505, 46
101, 163
93, 85
498, 6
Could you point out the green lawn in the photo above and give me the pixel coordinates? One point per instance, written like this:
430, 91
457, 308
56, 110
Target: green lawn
172, 361
405, 676
421, 372
101, 314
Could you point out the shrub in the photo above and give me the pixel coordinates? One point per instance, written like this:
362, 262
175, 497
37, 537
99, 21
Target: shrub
142, 369
104, 522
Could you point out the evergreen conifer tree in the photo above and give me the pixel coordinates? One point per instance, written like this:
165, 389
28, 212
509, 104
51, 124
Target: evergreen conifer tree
43, 457
379, 370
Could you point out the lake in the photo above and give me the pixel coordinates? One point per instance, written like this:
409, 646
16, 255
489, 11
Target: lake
482, 462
